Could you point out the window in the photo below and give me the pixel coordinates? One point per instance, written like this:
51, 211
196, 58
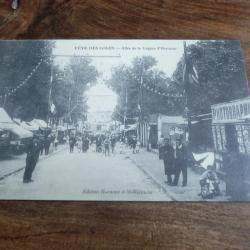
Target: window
214, 137
218, 162
240, 138
223, 138
219, 137
246, 137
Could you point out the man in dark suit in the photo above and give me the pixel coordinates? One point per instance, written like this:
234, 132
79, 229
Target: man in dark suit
33, 151
181, 158
72, 142
47, 144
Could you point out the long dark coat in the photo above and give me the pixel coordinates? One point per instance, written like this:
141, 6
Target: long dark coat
181, 157
168, 159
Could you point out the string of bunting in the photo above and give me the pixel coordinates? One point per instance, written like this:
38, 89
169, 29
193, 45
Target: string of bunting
24, 82
155, 91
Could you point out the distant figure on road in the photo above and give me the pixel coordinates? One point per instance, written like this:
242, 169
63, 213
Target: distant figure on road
167, 154
133, 143
113, 142
47, 144
85, 144
126, 141
137, 147
181, 158
130, 141
78, 144
72, 142
33, 151
56, 143
106, 146
98, 144
42, 141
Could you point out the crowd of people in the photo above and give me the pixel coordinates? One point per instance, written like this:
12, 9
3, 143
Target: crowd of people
104, 143
80, 142
174, 154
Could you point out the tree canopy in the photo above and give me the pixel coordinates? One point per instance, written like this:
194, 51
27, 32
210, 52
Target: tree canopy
69, 86
33, 99
18, 60
221, 73
134, 99
219, 65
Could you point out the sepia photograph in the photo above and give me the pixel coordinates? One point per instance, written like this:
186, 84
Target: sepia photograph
124, 120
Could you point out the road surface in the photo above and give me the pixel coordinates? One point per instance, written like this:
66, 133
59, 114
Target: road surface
83, 176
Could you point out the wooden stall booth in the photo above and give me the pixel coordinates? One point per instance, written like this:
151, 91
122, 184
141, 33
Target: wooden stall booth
173, 127
231, 137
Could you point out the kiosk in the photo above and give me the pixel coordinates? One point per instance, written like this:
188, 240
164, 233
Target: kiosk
231, 137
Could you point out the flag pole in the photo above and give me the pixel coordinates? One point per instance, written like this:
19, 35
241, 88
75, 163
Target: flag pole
186, 84
126, 106
4, 100
50, 90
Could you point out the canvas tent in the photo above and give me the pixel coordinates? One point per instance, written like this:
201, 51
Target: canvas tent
24, 124
40, 123
7, 124
4, 117
33, 126
37, 124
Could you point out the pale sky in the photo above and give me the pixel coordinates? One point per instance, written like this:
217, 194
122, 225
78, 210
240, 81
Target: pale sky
101, 98
106, 54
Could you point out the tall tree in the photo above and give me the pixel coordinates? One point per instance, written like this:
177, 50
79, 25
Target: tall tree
18, 60
132, 85
221, 72
69, 87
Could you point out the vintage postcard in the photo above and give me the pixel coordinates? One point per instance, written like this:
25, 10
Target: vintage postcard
124, 120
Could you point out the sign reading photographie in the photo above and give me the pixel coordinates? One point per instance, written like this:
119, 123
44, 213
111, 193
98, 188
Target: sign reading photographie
123, 120
232, 111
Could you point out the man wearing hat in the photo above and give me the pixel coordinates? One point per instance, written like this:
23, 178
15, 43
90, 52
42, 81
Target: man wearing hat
181, 157
33, 152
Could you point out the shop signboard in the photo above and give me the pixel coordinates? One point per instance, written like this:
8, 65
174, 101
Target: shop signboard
231, 112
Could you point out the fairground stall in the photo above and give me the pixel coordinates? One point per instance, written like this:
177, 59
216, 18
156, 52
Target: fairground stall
173, 127
231, 137
13, 137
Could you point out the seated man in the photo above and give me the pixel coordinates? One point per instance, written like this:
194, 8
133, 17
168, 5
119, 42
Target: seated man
209, 182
